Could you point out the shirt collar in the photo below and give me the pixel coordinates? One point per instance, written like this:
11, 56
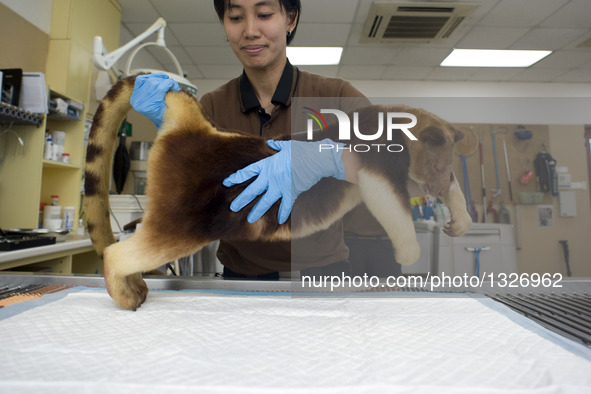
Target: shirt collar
282, 92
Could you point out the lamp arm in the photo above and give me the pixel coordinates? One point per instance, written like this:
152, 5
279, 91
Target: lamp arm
103, 60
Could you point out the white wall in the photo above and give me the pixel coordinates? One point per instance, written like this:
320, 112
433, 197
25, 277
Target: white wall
498, 102
38, 12
471, 89
491, 102
384, 88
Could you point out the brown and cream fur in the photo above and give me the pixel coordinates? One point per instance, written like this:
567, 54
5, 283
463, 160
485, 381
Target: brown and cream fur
188, 206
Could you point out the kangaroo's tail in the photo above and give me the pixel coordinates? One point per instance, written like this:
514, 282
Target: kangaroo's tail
99, 155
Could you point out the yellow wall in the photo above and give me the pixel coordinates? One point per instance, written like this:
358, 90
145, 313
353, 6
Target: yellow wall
23, 45
65, 58
74, 25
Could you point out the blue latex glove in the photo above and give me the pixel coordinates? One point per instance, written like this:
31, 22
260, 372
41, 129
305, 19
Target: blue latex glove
148, 95
294, 169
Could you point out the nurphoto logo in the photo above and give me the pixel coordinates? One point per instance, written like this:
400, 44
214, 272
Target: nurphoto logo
391, 120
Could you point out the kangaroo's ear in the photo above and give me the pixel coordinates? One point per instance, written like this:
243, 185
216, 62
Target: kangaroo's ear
458, 135
433, 136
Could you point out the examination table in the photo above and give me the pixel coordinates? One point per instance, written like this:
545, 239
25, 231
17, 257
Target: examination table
209, 335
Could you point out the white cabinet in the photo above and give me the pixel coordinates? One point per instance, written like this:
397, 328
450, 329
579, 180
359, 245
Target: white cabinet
455, 258
453, 255
428, 238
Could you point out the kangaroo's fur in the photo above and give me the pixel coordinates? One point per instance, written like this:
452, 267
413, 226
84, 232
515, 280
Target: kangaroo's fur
188, 206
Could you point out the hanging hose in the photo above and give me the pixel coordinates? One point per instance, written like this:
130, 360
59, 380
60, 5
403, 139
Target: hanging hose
507, 166
566, 257
464, 148
517, 231
467, 194
496, 192
477, 262
483, 182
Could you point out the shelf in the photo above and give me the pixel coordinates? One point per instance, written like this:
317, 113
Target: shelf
18, 116
74, 108
60, 117
57, 164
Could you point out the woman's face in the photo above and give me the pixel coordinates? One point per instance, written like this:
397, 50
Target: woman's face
256, 31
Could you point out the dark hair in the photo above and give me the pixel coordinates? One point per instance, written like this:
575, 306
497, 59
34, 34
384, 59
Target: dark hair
289, 6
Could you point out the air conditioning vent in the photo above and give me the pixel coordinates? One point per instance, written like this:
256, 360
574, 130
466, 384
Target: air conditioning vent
411, 27
425, 9
390, 22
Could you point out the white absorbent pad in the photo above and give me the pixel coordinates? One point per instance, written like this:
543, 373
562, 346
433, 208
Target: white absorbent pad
196, 342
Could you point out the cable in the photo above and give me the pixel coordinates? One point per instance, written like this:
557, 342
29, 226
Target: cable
138, 203
116, 221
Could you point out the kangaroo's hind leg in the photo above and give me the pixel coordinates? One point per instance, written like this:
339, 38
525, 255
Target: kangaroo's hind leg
391, 208
145, 250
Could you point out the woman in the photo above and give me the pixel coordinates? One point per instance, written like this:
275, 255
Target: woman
258, 102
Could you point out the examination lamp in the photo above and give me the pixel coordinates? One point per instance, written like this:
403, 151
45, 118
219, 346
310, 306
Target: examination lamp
103, 60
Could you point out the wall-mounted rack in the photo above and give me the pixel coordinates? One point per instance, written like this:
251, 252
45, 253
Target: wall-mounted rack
10, 114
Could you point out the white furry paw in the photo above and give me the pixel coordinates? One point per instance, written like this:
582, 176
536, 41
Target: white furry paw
408, 253
459, 224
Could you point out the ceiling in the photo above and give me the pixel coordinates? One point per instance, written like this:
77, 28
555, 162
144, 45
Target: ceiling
196, 38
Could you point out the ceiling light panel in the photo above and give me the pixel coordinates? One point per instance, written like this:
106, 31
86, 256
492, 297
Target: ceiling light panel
493, 58
314, 55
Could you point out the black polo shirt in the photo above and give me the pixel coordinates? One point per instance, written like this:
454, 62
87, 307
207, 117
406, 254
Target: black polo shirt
234, 106
282, 95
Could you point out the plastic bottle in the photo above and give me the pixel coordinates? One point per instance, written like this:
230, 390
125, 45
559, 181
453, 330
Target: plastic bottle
80, 229
48, 151
41, 209
56, 155
69, 213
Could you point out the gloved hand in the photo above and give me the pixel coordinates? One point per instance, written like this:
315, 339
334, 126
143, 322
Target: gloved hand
294, 169
148, 95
